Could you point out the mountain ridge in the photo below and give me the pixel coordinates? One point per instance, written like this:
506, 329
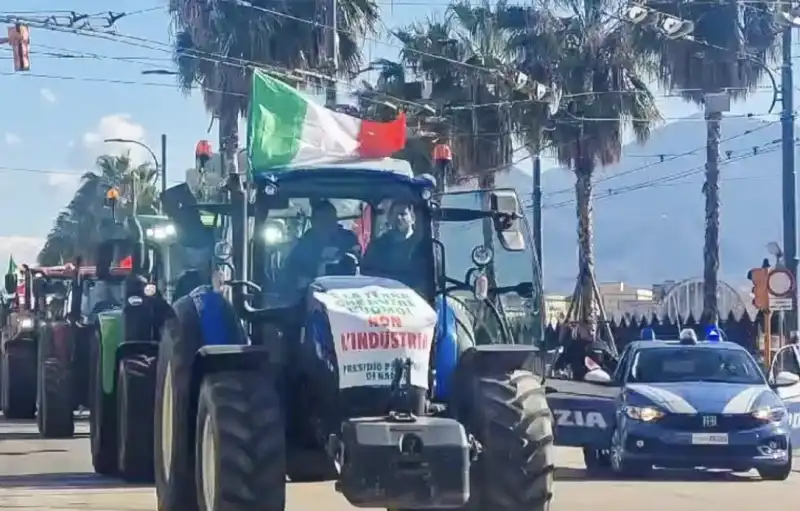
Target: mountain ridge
649, 214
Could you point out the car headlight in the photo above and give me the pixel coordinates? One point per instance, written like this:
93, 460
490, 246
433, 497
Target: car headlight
643, 413
26, 323
768, 414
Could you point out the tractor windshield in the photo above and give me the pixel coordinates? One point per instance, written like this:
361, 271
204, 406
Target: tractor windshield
101, 295
507, 268
335, 236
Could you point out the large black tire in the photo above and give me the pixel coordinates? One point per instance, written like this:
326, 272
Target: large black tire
55, 415
174, 425
102, 425
19, 380
779, 473
174, 402
510, 418
241, 441
55, 401
135, 402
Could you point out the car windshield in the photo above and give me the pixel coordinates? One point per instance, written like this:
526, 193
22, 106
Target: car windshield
313, 238
508, 268
681, 363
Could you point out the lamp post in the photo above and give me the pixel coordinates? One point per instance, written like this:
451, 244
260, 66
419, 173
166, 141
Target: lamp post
161, 168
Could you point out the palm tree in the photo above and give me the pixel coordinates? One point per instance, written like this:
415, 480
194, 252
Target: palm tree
730, 45
74, 232
137, 183
468, 62
593, 62
216, 44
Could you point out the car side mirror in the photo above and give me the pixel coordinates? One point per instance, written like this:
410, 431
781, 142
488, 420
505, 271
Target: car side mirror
11, 283
507, 219
784, 379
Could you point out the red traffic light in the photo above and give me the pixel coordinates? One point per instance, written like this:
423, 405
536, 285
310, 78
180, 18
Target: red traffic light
19, 40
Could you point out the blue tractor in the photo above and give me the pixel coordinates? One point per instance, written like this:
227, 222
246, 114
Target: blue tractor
368, 332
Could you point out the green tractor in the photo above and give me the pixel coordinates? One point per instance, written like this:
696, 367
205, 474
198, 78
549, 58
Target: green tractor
123, 353
126, 346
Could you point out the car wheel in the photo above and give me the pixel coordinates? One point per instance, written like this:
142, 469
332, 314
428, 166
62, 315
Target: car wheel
620, 464
596, 460
777, 473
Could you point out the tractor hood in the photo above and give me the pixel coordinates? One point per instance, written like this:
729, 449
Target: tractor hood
372, 322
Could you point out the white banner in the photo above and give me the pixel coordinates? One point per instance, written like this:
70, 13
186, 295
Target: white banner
373, 326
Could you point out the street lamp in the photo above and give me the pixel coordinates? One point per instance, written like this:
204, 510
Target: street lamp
161, 168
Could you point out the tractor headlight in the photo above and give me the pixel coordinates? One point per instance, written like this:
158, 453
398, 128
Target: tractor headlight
26, 323
274, 233
643, 413
769, 414
161, 232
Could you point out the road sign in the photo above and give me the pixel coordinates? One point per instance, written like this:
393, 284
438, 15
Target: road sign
781, 287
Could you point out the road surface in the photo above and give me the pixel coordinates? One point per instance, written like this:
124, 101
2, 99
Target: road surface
56, 475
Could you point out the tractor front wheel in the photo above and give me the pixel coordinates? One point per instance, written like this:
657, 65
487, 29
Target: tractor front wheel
55, 416
513, 423
135, 403
241, 445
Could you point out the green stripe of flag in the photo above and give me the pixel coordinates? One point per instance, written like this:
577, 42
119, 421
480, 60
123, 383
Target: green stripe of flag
275, 123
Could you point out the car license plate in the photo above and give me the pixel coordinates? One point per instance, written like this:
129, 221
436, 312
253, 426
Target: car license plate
709, 439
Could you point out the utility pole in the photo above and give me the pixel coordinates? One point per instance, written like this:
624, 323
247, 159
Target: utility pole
789, 174
537, 210
332, 47
163, 164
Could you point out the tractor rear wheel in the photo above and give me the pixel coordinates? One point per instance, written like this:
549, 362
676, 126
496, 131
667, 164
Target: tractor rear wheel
511, 420
241, 444
19, 380
135, 403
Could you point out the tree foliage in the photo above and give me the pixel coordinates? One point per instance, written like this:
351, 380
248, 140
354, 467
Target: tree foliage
75, 229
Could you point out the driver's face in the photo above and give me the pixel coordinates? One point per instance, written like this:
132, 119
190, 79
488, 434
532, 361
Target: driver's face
324, 220
401, 218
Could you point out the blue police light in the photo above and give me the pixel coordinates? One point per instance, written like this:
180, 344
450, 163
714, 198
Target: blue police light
647, 334
713, 334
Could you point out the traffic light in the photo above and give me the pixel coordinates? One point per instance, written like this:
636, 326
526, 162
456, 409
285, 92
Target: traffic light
19, 40
759, 277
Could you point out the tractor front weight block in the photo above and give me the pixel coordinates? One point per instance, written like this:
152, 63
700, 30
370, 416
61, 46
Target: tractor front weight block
403, 462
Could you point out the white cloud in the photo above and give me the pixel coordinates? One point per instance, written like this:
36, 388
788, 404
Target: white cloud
24, 249
12, 139
64, 179
48, 95
116, 126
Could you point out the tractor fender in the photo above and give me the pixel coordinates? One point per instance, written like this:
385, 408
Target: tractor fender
493, 359
124, 349
218, 322
20, 339
214, 359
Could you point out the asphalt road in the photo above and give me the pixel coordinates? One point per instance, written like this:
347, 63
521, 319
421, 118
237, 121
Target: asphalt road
56, 475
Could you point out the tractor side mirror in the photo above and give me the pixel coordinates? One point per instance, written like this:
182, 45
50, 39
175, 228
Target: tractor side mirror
11, 283
507, 219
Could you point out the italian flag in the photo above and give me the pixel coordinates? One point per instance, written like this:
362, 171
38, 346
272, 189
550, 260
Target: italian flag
286, 127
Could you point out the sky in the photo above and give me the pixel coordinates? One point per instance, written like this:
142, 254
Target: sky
57, 115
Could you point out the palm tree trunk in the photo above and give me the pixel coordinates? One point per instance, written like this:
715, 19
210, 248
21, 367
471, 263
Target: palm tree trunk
583, 197
711, 245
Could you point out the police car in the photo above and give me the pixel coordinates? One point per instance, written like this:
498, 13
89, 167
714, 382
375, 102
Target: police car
682, 404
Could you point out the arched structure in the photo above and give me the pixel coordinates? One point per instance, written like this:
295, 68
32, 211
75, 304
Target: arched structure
686, 298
